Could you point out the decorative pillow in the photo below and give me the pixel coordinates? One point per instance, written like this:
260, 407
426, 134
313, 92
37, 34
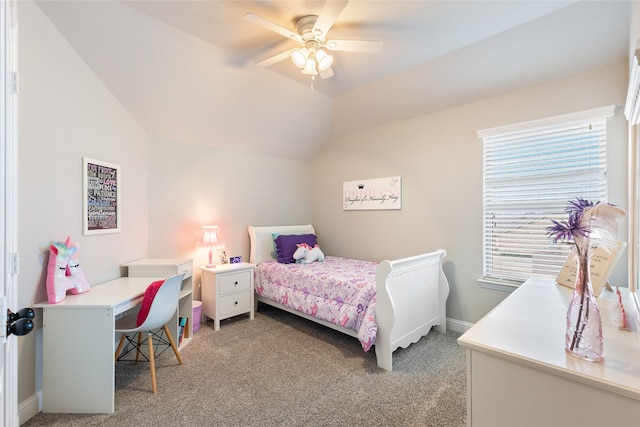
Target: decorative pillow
287, 244
149, 295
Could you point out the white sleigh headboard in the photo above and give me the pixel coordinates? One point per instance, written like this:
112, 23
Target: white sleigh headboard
262, 239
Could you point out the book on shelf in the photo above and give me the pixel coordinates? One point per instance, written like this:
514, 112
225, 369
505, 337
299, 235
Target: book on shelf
181, 323
602, 263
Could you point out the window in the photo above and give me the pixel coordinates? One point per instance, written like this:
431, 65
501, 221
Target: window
632, 112
531, 170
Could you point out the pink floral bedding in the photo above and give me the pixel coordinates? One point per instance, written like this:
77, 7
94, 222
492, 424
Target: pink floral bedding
339, 290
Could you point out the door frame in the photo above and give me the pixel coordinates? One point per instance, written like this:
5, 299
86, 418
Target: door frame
9, 207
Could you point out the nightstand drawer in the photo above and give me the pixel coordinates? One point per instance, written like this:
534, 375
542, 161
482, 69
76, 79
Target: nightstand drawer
235, 282
235, 302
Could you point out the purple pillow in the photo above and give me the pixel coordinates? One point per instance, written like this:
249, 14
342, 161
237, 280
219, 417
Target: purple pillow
287, 244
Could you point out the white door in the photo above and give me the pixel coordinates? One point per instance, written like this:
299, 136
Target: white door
8, 211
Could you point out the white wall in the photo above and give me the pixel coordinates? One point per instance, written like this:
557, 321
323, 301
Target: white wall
440, 160
634, 29
66, 113
182, 88
194, 185
169, 188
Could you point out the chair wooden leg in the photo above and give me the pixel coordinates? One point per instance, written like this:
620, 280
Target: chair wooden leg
119, 349
138, 346
173, 344
152, 362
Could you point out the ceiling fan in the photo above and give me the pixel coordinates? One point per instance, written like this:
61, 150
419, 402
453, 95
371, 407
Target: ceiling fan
311, 33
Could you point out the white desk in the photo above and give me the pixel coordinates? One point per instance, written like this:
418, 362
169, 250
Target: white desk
79, 343
518, 373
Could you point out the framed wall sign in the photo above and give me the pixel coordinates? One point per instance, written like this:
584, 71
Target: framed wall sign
368, 194
100, 197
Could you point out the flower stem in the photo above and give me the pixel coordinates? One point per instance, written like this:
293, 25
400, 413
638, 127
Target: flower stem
582, 272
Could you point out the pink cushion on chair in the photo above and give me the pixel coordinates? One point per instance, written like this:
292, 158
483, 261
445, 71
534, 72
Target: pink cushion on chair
149, 295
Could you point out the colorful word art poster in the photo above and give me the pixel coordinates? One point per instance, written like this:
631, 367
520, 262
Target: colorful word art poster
101, 197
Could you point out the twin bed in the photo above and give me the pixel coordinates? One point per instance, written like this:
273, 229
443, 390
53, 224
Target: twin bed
388, 305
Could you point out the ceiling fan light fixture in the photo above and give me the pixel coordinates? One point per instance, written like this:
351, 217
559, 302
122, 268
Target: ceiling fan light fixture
299, 57
324, 60
313, 57
310, 68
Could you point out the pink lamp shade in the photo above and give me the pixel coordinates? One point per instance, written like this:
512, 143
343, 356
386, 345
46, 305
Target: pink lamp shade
210, 239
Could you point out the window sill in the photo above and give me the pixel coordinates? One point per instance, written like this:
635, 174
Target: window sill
497, 286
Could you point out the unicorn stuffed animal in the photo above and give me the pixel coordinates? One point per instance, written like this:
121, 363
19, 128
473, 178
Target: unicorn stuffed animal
64, 272
306, 254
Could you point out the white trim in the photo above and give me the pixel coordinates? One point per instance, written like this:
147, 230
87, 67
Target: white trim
579, 116
634, 158
632, 106
497, 286
459, 326
632, 112
9, 205
30, 407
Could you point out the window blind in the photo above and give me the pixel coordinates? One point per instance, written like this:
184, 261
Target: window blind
530, 173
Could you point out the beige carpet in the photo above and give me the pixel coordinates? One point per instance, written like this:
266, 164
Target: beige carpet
280, 370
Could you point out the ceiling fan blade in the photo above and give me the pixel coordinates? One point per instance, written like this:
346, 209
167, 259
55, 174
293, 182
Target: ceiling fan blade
326, 74
276, 58
329, 14
255, 19
365, 46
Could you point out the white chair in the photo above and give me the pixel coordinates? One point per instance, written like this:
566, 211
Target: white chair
163, 307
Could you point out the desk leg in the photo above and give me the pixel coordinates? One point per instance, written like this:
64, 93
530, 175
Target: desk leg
78, 368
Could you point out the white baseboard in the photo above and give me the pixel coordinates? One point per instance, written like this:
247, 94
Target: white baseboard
458, 325
30, 407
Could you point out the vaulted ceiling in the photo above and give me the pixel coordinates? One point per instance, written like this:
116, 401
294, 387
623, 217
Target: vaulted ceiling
186, 70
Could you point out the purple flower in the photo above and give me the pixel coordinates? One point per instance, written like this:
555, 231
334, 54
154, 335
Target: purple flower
579, 205
585, 218
566, 231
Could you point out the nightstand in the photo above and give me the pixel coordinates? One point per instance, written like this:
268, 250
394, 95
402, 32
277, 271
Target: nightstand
227, 291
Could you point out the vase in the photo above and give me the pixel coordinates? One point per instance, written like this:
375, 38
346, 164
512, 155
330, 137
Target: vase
583, 338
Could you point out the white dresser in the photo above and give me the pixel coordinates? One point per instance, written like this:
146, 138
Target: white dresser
518, 373
227, 291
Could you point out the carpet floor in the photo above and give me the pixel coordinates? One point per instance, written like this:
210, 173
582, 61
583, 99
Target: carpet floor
281, 370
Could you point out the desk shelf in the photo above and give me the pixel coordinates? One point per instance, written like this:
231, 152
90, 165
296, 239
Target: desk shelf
165, 267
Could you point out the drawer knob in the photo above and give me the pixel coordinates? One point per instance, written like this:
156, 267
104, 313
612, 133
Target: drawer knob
236, 303
235, 284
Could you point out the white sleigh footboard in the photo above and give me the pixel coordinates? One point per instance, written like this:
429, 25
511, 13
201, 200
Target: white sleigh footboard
411, 299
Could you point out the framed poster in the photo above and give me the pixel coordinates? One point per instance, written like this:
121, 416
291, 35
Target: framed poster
602, 263
369, 194
100, 197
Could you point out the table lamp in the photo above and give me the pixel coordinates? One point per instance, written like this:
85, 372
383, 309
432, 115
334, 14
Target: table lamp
210, 240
